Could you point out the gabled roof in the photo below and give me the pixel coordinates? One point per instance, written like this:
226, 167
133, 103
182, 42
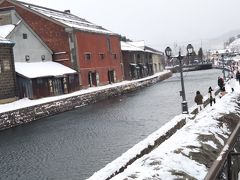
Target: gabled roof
125, 46
66, 19
6, 31
42, 69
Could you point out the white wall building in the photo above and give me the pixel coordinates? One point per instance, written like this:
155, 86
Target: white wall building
28, 46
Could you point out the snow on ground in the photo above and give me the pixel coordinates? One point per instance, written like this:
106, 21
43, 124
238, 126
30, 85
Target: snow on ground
22, 103
182, 155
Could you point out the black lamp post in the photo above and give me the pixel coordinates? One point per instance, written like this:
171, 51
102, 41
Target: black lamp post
168, 53
217, 54
189, 51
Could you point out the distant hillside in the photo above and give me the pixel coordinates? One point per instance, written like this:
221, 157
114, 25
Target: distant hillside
218, 42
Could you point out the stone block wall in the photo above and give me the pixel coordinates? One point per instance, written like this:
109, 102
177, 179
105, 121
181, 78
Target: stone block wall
25, 115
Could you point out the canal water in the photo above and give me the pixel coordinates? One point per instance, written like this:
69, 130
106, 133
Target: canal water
75, 144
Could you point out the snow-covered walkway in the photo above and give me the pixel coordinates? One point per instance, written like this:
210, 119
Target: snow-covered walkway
187, 154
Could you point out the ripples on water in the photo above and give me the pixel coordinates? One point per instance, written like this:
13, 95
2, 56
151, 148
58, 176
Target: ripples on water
75, 144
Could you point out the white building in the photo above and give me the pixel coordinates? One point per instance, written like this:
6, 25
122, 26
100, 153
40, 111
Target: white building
28, 46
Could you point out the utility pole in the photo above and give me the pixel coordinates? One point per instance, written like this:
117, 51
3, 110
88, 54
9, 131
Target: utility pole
223, 69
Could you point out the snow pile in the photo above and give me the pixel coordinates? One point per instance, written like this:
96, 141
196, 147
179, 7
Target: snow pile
188, 153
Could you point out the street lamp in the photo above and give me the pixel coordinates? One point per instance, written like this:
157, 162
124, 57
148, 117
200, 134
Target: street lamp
217, 54
168, 52
189, 51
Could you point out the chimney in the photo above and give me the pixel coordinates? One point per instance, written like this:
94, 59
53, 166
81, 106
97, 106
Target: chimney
67, 11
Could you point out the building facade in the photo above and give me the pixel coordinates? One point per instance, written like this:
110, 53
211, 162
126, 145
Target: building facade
8, 85
140, 61
31, 54
91, 50
133, 61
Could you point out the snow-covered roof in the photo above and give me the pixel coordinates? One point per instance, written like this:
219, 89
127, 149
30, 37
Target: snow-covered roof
5, 41
42, 69
5, 30
67, 19
140, 44
125, 46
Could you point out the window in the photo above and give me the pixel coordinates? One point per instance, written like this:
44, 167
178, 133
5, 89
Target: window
150, 56
25, 36
87, 56
71, 79
27, 58
138, 56
39, 81
114, 56
6, 65
43, 57
101, 55
134, 57
108, 44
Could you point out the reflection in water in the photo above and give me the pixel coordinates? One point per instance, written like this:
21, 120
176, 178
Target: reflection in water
75, 144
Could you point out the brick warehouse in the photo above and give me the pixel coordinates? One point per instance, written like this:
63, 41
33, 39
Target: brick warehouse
90, 49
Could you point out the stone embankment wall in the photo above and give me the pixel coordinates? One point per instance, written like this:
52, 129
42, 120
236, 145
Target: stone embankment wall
25, 115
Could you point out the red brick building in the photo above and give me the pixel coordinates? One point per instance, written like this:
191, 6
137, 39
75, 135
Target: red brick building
88, 48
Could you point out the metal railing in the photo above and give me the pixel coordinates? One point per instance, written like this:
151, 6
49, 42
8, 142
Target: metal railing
222, 167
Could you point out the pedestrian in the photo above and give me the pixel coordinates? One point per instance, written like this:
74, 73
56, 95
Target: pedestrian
232, 83
211, 96
238, 76
221, 83
199, 100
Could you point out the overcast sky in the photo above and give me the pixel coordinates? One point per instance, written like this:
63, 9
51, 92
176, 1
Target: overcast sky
158, 22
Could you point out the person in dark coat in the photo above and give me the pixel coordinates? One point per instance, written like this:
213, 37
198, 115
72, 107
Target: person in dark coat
211, 96
199, 100
220, 83
238, 76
